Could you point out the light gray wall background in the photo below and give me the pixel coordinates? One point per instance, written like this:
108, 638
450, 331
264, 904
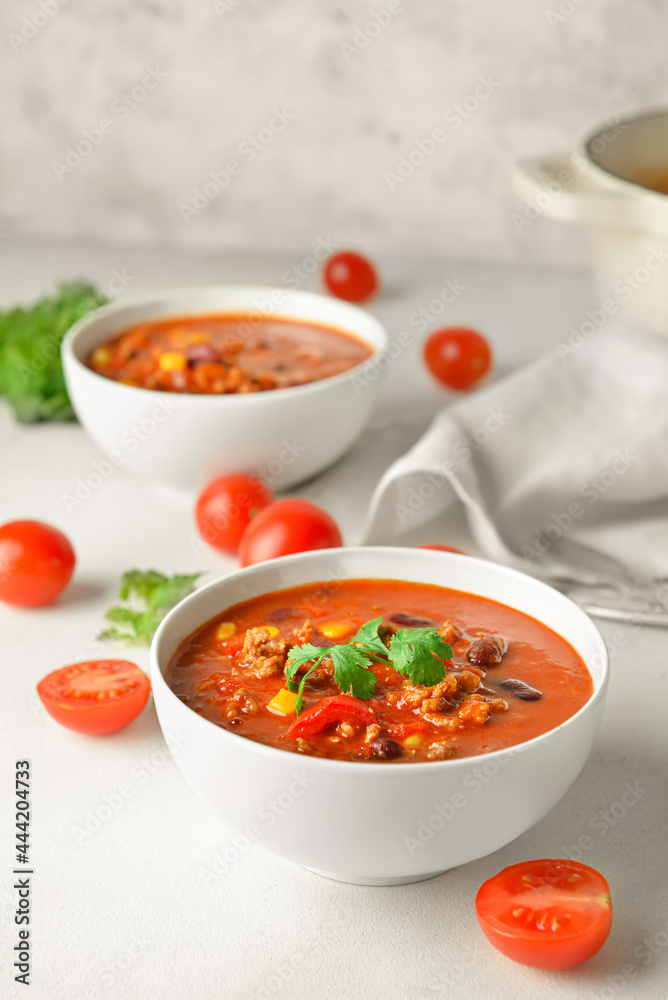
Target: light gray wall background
358, 99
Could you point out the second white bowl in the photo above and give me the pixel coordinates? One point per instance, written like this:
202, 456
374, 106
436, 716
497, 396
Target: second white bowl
184, 441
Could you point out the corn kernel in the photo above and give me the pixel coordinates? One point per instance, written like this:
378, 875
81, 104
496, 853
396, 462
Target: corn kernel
225, 631
100, 356
283, 703
172, 361
272, 630
127, 381
413, 741
336, 630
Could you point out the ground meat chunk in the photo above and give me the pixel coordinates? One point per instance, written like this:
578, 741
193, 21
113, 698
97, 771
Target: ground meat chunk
474, 710
239, 703
372, 733
441, 750
304, 634
414, 695
486, 652
450, 632
448, 722
438, 704
468, 681
262, 656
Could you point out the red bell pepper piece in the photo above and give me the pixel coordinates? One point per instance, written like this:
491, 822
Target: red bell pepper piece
331, 711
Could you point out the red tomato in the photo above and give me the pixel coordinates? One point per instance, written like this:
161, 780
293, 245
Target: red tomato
226, 507
442, 548
97, 696
234, 645
36, 563
457, 357
547, 914
350, 276
330, 711
285, 527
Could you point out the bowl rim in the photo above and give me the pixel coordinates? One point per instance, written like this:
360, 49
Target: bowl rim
189, 292
593, 164
364, 769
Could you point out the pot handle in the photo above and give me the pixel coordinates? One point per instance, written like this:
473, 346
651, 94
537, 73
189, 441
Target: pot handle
559, 188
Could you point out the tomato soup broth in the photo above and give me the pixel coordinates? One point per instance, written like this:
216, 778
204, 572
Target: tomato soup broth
221, 354
511, 678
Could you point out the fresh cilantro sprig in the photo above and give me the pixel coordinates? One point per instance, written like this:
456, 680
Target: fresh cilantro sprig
148, 596
417, 653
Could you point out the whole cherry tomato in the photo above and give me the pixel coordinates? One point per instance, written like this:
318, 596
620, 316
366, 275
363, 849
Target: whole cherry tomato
457, 357
285, 527
36, 563
350, 276
226, 507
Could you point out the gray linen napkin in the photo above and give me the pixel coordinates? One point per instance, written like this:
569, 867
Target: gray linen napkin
573, 446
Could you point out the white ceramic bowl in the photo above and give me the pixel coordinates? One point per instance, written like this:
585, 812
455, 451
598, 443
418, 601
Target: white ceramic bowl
183, 440
600, 184
375, 823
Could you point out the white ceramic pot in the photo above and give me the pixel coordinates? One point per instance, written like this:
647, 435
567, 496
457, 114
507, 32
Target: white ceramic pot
375, 823
186, 440
602, 185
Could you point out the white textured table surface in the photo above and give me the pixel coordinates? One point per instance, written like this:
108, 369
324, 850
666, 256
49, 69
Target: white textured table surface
131, 896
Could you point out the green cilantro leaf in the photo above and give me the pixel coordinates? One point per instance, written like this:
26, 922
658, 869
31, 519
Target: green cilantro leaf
149, 596
299, 656
351, 671
368, 637
418, 654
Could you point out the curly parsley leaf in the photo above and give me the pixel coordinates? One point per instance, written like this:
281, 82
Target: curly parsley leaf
418, 653
149, 596
31, 374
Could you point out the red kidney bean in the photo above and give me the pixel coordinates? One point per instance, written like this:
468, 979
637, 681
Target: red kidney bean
383, 747
280, 614
485, 652
202, 354
409, 621
521, 690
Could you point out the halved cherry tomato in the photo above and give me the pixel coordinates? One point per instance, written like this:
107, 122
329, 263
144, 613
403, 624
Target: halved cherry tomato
96, 696
226, 507
457, 357
443, 548
329, 712
350, 276
547, 914
36, 563
285, 527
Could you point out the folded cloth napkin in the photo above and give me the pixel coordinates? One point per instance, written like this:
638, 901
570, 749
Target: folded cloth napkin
575, 445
